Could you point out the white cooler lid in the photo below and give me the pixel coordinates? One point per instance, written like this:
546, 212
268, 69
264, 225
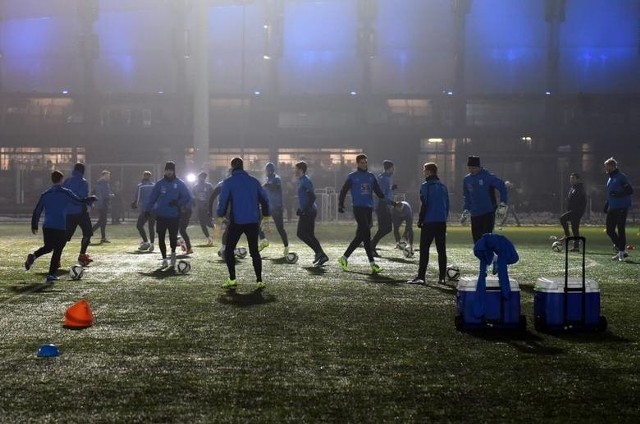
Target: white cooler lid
470, 283
556, 285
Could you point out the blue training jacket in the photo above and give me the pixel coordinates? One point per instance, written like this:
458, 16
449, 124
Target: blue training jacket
273, 187
362, 185
434, 201
479, 192
169, 196
80, 187
385, 182
619, 190
242, 194
55, 202
306, 194
145, 187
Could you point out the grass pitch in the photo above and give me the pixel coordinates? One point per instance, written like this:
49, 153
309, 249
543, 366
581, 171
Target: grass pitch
318, 345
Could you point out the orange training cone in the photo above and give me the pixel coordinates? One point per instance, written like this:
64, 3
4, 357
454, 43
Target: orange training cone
78, 315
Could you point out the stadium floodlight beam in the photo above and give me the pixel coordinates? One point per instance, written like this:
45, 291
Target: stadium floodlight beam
191, 177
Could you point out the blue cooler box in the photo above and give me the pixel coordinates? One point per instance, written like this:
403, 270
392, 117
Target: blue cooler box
497, 311
549, 303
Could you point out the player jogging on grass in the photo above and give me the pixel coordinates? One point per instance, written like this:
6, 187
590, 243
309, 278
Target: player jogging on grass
307, 212
145, 187
54, 203
244, 198
362, 184
273, 187
78, 215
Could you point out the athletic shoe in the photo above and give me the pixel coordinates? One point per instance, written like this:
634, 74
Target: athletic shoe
230, 284
52, 278
264, 243
84, 259
323, 259
189, 251
104, 241
209, 241
173, 260
410, 253
151, 247
442, 281
375, 269
144, 245
31, 258
260, 285
165, 263
285, 251
416, 280
343, 263
622, 256
616, 257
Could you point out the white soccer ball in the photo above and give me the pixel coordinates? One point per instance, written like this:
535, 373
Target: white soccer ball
183, 266
407, 251
453, 272
557, 246
402, 243
76, 272
241, 252
291, 258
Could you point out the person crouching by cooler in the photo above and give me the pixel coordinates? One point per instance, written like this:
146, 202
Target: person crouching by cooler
243, 196
479, 188
169, 195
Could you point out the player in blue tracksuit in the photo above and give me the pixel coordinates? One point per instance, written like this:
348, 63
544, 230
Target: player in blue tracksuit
383, 210
55, 203
479, 189
307, 213
363, 184
103, 192
434, 211
168, 196
143, 191
201, 195
273, 187
619, 193
245, 200
78, 215
403, 213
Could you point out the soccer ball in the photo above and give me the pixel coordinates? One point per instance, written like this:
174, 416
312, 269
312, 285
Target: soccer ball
76, 272
241, 252
183, 266
557, 246
402, 244
407, 251
453, 272
291, 258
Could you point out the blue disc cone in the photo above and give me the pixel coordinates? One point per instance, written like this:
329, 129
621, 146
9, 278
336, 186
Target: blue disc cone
48, 350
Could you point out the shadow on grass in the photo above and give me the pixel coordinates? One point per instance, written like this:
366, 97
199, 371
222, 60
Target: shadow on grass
243, 300
140, 252
276, 261
589, 337
162, 273
315, 270
523, 341
32, 288
400, 260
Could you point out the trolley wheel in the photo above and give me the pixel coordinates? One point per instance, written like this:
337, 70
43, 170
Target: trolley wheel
538, 324
523, 323
602, 325
458, 321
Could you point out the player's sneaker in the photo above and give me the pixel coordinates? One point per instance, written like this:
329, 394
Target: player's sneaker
622, 255
31, 258
285, 251
442, 281
173, 260
189, 251
52, 278
343, 263
416, 280
323, 259
375, 268
264, 243
165, 263
84, 259
144, 245
104, 240
151, 247
229, 284
209, 241
261, 285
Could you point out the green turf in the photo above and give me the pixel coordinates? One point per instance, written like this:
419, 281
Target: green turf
315, 346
